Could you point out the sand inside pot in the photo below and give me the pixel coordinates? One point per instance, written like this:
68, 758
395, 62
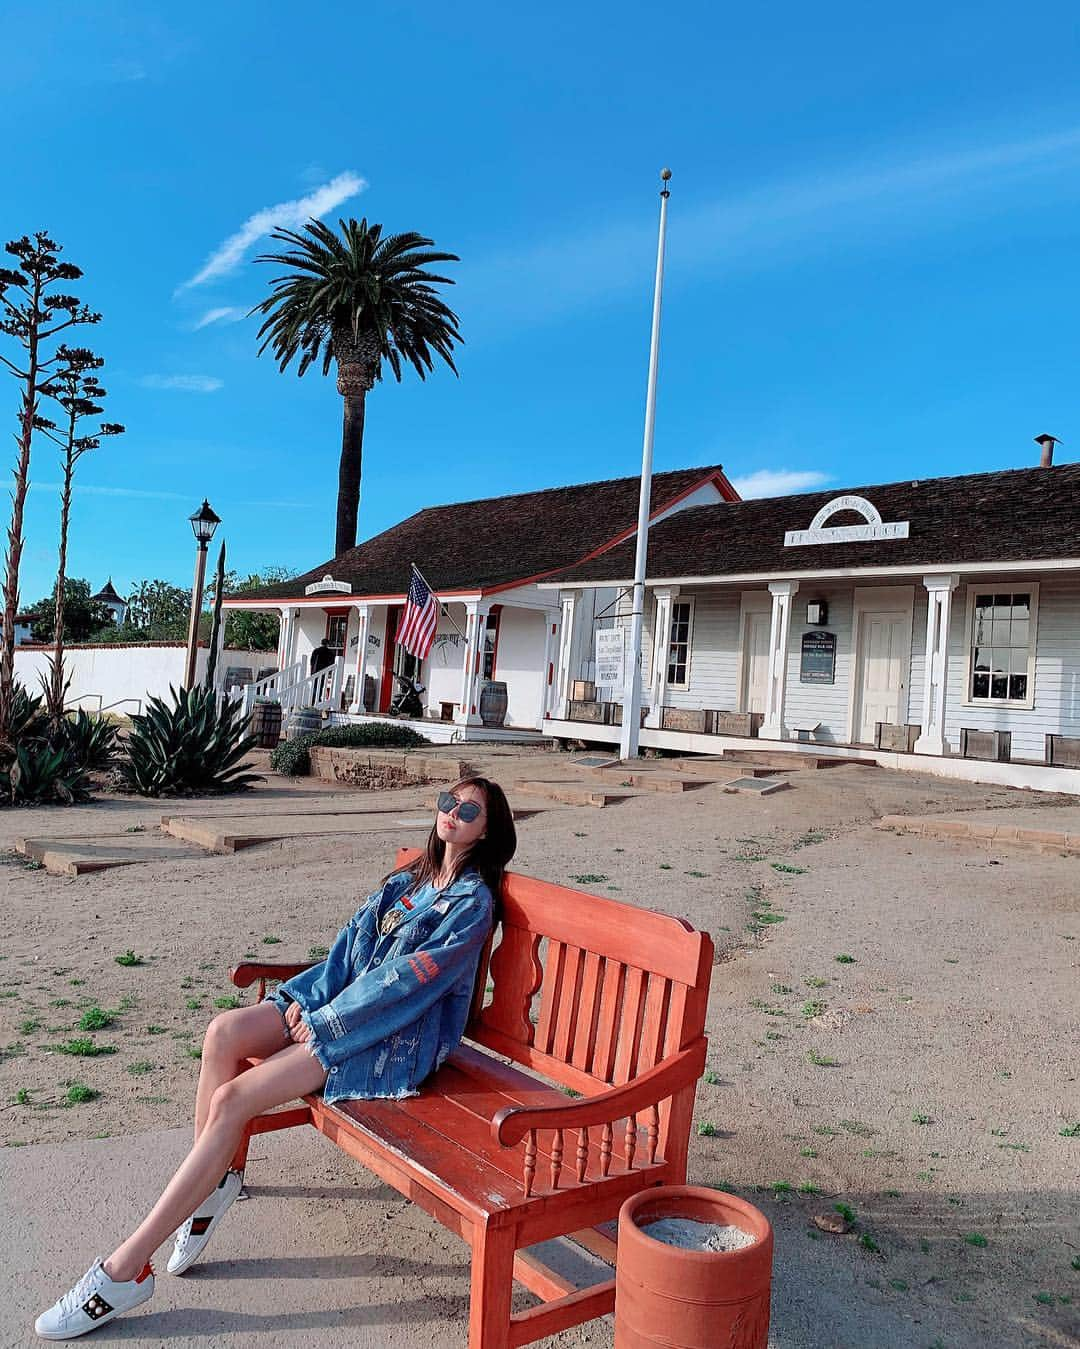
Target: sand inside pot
695, 1236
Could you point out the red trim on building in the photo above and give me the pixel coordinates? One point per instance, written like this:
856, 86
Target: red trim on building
386, 684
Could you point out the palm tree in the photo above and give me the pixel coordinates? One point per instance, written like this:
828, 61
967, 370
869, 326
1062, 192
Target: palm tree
357, 299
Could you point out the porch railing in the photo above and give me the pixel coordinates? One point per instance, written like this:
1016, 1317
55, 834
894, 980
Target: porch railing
292, 687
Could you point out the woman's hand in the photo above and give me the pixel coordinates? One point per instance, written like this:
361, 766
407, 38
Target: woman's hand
297, 1031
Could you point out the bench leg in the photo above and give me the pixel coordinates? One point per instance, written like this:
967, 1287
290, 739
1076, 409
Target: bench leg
492, 1286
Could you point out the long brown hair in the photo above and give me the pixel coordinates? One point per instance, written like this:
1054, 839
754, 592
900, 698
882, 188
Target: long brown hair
488, 855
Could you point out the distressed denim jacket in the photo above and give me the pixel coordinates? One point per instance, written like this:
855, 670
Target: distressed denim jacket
385, 1010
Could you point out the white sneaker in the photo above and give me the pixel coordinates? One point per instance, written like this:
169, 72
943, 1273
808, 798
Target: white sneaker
191, 1239
94, 1300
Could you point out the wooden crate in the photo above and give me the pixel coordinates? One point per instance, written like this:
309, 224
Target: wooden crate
582, 691
588, 711
1063, 751
683, 719
896, 736
733, 723
614, 714
994, 745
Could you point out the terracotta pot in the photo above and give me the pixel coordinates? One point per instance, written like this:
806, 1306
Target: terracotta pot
684, 1299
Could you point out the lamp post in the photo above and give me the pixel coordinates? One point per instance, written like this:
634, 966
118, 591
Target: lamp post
628, 738
203, 524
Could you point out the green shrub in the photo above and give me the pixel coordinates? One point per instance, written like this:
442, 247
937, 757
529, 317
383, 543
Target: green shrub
292, 757
193, 746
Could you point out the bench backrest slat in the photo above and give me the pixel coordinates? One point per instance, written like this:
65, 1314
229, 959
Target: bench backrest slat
592, 992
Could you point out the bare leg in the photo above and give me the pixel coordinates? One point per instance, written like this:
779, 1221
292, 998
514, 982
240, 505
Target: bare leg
290, 1073
247, 1032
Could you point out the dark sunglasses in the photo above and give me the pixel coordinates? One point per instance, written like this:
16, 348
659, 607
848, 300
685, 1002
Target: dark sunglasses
467, 810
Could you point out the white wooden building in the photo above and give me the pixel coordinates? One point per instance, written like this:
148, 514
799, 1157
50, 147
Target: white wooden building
483, 559
932, 625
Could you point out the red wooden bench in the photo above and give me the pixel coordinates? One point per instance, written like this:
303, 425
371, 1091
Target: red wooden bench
500, 1156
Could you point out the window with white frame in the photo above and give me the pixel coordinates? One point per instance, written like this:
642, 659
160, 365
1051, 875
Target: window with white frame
1002, 646
680, 634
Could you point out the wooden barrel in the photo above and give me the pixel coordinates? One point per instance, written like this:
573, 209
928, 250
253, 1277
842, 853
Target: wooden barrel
266, 723
691, 1299
304, 720
493, 702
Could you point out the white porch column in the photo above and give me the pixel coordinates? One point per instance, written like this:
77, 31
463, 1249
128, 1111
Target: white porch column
284, 636
568, 604
548, 672
782, 592
939, 590
476, 613
656, 685
363, 615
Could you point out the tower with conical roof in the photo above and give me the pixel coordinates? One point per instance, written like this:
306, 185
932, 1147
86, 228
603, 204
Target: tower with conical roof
112, 601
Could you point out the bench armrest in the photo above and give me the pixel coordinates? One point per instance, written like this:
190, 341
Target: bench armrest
683, 1069
246, 973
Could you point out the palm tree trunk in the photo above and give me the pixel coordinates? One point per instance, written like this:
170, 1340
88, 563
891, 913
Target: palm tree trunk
354, 381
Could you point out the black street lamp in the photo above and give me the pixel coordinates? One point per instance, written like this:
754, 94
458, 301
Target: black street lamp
203, 524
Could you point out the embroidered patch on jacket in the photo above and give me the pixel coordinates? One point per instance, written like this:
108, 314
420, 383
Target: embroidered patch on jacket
424, 966
380, 1062
441, 905
390, 977
334, 1023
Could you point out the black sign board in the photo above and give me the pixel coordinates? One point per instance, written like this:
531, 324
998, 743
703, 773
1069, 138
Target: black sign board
818, 664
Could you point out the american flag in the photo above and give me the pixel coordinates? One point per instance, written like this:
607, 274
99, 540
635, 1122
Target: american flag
419, 618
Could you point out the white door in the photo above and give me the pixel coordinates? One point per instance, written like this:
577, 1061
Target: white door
756, 660
884, 649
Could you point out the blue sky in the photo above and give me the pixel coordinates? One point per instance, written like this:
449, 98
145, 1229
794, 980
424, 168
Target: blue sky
872, 265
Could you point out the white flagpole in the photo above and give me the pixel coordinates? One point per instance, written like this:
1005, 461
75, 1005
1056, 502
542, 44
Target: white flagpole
628, 740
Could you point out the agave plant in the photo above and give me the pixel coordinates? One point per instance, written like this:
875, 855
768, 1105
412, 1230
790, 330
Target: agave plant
41, 773
195, 745
91, 741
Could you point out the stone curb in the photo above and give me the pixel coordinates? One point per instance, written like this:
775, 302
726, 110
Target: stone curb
931, 826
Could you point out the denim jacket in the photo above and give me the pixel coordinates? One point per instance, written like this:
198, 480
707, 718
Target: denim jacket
385, 1010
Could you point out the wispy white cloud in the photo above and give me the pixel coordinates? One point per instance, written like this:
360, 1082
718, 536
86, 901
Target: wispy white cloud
183, 383
778, 482
856, 205
146, 494
230, 253
226, 313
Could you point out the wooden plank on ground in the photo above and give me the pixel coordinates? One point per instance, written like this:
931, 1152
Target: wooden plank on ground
222, 834
567, 793
81, 856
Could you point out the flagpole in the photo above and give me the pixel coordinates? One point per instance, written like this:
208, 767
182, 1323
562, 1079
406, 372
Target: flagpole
628, 740
442, 607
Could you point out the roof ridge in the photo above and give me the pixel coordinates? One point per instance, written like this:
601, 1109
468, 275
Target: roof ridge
703, 469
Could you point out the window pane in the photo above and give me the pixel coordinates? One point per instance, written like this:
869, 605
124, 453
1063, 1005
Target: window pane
1018, 686
982, 658
999, 685
1000, 632
980, 686
1019, 636
1002, 606
1021, 606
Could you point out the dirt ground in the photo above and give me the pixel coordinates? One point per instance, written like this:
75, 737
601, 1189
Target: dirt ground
893, 1020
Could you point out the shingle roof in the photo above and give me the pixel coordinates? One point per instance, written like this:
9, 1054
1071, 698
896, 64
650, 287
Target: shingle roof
1024, 514
107, 593
479, 544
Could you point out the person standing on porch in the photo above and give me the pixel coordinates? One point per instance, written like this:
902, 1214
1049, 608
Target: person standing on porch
321, 657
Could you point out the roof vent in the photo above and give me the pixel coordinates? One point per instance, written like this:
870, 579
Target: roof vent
1047, 443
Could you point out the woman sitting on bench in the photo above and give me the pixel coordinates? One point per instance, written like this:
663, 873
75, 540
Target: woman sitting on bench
382, 1012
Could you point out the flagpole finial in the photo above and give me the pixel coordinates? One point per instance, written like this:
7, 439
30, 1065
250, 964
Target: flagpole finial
665, 178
